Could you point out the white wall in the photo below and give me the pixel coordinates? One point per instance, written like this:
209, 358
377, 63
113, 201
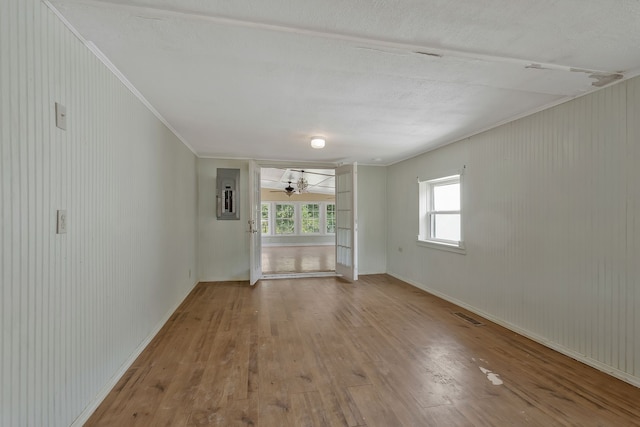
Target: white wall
75, 308
223, 249
300, 240
372, 219
552, 227
224, 245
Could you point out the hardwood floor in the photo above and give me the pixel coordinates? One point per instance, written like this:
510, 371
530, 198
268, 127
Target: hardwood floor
298, 259
322, 352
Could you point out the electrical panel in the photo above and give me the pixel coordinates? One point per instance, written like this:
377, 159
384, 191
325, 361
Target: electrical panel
227, 197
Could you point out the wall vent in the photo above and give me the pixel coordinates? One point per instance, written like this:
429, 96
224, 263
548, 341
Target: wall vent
469, 319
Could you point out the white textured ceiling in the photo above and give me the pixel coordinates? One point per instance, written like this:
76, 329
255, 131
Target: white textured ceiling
381, 80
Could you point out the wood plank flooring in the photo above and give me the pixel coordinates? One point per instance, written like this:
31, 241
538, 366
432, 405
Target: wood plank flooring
322, 352
298, 259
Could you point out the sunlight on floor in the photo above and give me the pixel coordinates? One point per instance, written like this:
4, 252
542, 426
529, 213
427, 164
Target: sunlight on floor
298, 259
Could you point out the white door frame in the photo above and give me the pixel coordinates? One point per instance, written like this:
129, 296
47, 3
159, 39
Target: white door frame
347, 221
255, 216
352, 272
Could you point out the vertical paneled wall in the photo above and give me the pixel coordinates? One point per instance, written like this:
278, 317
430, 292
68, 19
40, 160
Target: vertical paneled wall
551, 224
372, 219
223, 245
75, 307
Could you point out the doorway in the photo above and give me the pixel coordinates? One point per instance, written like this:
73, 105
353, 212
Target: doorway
298, 221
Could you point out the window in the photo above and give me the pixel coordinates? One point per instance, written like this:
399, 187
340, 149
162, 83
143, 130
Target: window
285, 219
331, 218
297, 218
264, 219
310, 218
441, 213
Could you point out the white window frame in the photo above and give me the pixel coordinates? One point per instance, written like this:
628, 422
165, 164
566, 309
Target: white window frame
427, 213
320, 219
297, 218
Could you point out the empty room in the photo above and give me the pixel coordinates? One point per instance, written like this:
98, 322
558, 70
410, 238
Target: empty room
319, 213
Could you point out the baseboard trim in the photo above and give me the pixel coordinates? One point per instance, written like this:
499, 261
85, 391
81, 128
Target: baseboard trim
635, 381
97, 400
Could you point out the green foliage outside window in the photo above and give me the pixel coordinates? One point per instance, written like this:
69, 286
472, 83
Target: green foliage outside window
311, 218
285, 219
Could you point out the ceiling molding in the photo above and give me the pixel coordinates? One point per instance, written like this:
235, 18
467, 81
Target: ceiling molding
590, 80
431, 51
506, 121
107, 63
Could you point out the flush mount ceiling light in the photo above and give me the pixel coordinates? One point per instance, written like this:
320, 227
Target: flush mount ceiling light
317, 142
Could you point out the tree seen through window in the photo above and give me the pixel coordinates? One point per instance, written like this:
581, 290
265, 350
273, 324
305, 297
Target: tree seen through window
285, 219
310, 218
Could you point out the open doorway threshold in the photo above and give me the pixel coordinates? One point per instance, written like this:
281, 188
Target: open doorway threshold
268, 276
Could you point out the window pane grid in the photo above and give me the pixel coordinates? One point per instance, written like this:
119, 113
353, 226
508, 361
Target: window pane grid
285, 219
310, 218
298, 218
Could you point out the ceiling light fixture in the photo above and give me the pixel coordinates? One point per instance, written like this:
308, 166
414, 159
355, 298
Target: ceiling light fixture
317, 142
302, 183
289, 190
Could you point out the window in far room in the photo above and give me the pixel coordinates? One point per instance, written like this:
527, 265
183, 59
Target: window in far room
285, 219
441, 213
310, 218
297, 218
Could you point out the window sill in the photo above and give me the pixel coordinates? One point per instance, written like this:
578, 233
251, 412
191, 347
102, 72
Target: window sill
434, 244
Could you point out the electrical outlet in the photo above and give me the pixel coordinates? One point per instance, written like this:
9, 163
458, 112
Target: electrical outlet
61, 227
61, 116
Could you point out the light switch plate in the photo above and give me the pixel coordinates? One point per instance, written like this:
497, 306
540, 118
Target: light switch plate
61, 116
61, 227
